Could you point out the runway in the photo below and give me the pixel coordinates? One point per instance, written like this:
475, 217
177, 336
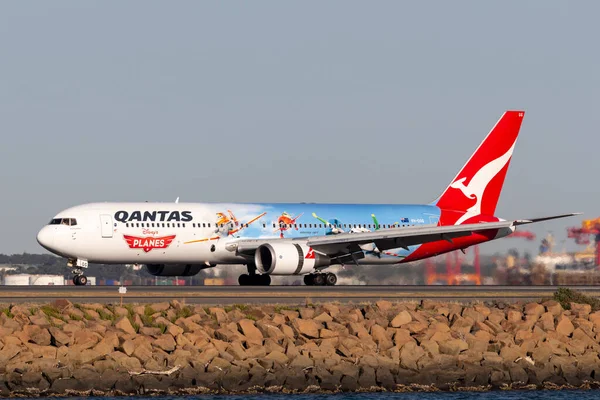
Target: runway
277, 294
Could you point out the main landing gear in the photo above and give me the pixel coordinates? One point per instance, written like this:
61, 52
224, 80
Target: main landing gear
253, 279
321, 279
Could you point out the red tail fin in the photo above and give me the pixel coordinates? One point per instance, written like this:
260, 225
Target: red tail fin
476, 188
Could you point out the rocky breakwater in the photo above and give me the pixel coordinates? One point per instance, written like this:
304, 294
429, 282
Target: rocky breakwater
66, 349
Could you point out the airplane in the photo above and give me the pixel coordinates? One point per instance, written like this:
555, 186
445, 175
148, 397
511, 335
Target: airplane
169, 239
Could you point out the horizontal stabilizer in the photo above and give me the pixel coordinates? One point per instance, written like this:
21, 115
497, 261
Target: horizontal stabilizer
534, 220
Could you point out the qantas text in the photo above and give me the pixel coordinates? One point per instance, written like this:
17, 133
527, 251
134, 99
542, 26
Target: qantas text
153, 216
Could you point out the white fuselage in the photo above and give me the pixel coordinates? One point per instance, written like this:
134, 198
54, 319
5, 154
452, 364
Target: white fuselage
199, 233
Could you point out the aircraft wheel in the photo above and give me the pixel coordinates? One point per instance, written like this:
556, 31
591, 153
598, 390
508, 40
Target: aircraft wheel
319, 279
244, 280
308, 280
264, 280
80, 280
330, 279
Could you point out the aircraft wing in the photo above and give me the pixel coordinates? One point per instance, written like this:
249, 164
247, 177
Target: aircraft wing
394, 238
345, 244
403, 237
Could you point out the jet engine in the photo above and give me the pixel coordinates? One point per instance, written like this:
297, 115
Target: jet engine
288, 259
175, 269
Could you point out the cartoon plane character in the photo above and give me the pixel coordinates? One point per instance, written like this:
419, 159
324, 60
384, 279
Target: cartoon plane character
334, 226
285, 222
227, 225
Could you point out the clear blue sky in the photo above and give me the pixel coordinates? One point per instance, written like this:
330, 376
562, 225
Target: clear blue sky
338, 101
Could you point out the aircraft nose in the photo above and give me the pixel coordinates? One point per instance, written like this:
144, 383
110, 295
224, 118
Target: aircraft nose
45, 237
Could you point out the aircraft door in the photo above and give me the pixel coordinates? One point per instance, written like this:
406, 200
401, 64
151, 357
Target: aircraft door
434, 219
106, 226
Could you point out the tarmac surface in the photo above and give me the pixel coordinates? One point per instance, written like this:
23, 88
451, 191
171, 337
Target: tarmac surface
277, 294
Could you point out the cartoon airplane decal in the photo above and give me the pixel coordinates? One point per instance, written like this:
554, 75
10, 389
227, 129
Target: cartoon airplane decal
334, 226
285, 222
227, 225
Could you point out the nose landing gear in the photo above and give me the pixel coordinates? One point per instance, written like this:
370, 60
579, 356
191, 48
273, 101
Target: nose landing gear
79, 279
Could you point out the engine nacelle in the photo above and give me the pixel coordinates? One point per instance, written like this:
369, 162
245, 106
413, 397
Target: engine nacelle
175, 269
288, 259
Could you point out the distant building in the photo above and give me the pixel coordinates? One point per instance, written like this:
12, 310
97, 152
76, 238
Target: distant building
27, 279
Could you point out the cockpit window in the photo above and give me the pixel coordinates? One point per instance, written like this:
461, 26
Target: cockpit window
64, 221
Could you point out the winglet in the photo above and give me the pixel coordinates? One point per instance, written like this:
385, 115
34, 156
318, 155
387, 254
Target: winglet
177, 200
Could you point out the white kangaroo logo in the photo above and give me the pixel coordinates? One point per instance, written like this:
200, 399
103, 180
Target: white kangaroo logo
479, 183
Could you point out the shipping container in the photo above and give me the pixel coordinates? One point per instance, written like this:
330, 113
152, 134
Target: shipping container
47, 280
214, 281
17, 280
